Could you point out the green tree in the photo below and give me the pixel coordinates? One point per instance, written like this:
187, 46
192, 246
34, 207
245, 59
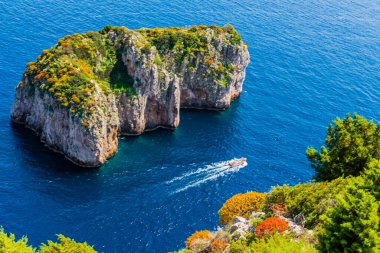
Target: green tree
351, 144
352, 225
372, 178
8, 244
66, 245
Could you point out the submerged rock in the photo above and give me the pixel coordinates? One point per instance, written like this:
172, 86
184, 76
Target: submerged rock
88, 89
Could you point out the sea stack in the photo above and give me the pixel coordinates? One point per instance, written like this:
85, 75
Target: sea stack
88, 89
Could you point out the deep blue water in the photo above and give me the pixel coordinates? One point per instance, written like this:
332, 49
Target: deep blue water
310, 62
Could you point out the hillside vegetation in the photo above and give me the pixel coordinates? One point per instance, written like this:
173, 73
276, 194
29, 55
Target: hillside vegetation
338, 211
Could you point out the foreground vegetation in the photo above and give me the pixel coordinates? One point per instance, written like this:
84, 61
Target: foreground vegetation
9, 244
339, 209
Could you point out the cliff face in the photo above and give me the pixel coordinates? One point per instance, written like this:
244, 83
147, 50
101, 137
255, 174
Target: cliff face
89, 88
63, 131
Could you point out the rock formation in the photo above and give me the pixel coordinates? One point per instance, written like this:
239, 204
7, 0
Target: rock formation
89, 88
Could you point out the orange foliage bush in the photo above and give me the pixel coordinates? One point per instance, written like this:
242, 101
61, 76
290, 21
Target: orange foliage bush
218, 246
209, 60
241, 205
270, 226
278, 209
202, 235
39, 76
85, 123
75, 99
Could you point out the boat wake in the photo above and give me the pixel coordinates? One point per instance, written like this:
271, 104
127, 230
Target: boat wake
210, 172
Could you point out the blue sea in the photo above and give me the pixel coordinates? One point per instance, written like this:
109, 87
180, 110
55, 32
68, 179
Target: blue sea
310, 62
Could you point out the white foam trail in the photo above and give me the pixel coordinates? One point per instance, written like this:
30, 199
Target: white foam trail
188, 174
207, 173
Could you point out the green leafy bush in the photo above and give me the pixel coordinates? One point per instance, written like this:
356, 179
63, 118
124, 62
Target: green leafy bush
352, 226
273, 244
351, 144
8, 244
309, 199
65, 245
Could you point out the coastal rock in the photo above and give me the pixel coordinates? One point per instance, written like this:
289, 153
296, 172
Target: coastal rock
239, 228
256, 215
88, 89
63, 132
296, 228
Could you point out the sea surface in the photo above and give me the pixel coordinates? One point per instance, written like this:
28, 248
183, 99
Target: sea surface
310, 62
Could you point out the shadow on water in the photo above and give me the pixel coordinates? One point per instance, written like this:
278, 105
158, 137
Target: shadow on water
42, 170
30, 144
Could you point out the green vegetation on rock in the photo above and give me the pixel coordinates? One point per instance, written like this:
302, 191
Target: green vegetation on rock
65, 245
71, 69
9, 244
310, 199
177, 46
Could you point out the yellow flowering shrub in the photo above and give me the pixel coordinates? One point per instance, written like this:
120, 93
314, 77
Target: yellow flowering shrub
242, 204
198, 235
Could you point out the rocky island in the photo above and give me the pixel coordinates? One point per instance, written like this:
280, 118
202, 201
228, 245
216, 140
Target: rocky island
88, 89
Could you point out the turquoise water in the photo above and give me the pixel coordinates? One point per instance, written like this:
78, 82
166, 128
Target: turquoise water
310, 62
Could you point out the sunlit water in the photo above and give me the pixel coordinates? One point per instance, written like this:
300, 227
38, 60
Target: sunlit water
310, 61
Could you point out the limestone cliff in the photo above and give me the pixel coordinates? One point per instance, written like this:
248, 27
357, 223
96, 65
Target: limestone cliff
89, 88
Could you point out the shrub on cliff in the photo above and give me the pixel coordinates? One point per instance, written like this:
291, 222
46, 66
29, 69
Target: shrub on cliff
66, 245
241, 205
353, 225
272, 244
9, 244
270, 226
351, 144
198, 241
309, 199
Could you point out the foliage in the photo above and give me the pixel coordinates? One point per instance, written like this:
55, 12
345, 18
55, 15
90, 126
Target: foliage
272, 244
178, 45
241, 205
270, 226
278, 209
372, 178
182, 251
351, 144
218, 246
120, 80
205, 235
66, 245
309, 199
70, 70
235, 38
353, 225
8, 244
